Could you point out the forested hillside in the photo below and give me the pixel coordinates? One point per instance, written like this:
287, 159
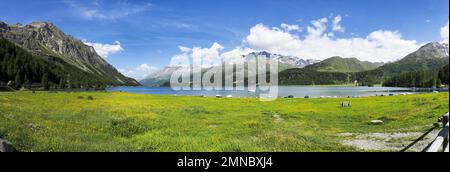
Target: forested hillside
339, 64
24, 69
422, 68
41, 51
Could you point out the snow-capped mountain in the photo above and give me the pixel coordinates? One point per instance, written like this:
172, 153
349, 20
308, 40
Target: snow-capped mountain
292, 61
434, 49
284, 62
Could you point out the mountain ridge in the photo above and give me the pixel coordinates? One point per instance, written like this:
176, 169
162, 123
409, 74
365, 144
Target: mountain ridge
427, 60
431, 56
340, 64
46, 41
337, 70
162, 76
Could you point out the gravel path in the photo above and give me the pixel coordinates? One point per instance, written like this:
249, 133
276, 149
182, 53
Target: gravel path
388, 141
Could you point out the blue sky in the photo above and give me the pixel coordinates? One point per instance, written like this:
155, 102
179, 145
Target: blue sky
150, 32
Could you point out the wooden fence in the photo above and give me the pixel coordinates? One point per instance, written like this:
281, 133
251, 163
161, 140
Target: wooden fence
440, 143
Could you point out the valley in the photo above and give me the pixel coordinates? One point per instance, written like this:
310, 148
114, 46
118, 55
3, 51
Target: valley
47, 103
117, 121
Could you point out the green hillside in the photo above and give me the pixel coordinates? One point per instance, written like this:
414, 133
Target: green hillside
443, 75
311, 77
339, 64
62, 59
24, 69
421, 67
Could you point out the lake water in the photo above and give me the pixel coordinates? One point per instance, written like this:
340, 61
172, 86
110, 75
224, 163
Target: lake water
283, 91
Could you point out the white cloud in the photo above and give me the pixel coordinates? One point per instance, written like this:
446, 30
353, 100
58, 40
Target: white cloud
184, 49
110, 11
288, 27
210, 56
177, 24
180, 60
318, 28
139, 72
428, 21
330, 34
319, 42
377, 46
143, 68
104, 50
444, 33
238, 52
337, 24
261, 37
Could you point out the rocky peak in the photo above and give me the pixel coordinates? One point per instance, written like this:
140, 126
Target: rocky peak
46, 36
292, 61
434, 45
46, 28
47, 40
430, 51
261, 53
42, 25
264, 53
445, 48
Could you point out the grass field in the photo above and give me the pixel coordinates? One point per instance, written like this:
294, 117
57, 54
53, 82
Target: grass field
105, 121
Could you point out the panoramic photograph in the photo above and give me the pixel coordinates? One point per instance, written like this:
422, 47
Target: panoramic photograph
224, 76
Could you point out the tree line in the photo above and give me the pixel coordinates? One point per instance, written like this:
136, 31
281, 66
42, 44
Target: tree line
422, 78
22, 69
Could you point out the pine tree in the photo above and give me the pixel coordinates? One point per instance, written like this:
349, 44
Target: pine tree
18, 79
45, 80
27, 82
62, 83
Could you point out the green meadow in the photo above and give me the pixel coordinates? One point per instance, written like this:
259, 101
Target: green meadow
116, 121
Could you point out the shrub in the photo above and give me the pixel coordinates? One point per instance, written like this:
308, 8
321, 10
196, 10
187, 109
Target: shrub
80, 97
90, 98
194, 110
127, 127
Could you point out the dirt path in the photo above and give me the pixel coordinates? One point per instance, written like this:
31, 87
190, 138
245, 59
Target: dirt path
388, 141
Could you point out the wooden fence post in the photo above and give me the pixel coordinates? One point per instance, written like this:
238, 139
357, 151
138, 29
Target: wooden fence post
441, 141
445, 122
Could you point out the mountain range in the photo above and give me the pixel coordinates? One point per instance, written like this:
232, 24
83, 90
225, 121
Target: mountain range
428, 60
73, 63
41, 53
333, 64
161, 77
284, 62
430, 57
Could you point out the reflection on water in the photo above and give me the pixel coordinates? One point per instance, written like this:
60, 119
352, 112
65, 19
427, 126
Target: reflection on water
283, 91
